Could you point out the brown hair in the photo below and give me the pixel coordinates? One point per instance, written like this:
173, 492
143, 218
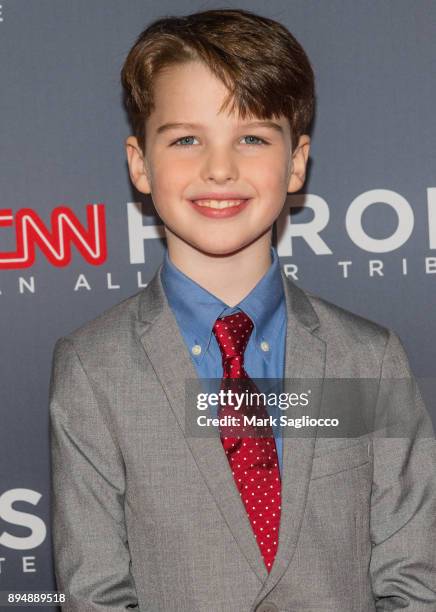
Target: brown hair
264, 68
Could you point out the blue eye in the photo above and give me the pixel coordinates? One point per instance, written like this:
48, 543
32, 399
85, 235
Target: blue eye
187, 144
183, 141
259, 140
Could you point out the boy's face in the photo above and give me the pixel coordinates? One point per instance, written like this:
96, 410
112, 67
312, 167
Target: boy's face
191, 169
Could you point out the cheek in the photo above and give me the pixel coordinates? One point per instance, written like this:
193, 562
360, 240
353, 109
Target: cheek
268, 175
170, 177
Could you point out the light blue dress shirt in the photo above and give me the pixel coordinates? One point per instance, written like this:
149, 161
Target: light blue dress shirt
196, 310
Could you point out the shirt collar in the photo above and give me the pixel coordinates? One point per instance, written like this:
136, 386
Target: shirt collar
196, 309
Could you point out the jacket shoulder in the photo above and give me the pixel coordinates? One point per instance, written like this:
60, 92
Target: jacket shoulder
106, 333
353, 340
333, 317
345, 331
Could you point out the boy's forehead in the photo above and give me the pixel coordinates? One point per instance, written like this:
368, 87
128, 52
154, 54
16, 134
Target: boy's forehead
184, 91
187, 80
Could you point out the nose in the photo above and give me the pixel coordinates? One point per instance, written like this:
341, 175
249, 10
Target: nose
219, 166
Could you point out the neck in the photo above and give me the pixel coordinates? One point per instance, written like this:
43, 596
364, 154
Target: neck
229, 277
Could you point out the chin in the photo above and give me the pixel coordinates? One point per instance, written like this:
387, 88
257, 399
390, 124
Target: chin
222, 247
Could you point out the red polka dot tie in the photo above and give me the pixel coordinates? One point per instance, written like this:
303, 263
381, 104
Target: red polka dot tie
251, 450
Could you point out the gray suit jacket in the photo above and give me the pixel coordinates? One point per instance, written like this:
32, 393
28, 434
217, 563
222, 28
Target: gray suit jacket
147, 518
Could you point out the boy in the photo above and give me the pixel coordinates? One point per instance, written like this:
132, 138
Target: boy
148, 517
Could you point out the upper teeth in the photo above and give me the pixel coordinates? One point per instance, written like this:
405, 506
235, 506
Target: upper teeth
218, 203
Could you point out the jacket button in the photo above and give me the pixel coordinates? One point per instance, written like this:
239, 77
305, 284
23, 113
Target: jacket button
267, 606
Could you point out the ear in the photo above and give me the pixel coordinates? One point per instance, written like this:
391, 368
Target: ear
137, 166
299, 162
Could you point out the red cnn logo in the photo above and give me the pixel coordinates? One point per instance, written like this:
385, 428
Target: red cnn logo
55, 243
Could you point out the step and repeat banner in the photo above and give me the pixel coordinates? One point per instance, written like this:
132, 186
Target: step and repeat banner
76, 238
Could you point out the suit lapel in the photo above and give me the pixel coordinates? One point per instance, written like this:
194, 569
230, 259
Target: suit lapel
165, 348
304, 358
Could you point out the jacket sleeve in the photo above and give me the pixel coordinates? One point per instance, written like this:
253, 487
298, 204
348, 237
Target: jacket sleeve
403, 500
91, 553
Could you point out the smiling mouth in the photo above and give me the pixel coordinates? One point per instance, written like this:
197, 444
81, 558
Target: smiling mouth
218, 204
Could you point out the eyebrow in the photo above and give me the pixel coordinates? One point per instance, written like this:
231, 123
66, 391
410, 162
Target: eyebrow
170, 126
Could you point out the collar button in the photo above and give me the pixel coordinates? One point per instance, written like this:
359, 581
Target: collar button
196, 349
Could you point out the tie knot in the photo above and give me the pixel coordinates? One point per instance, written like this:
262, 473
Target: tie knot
232, 333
